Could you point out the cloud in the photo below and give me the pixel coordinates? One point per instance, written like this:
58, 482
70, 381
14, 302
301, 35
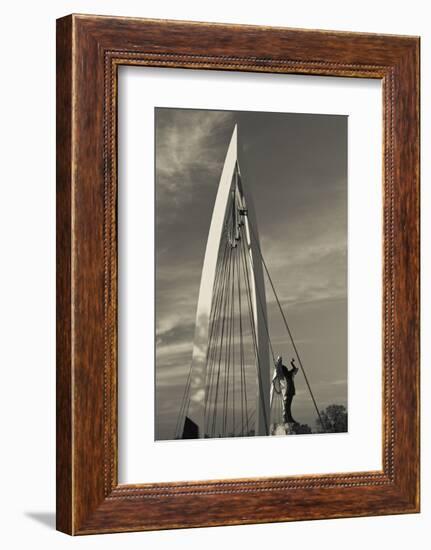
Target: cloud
310, 261
295, 167
185, 142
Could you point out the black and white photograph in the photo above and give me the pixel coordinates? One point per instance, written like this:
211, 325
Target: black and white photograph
250, 273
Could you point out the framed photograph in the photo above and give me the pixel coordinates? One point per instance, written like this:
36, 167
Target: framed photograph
237, 274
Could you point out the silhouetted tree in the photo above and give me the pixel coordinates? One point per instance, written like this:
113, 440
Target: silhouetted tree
334, 419
301, 429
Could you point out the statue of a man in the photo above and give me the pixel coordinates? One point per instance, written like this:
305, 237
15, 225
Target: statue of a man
287, 376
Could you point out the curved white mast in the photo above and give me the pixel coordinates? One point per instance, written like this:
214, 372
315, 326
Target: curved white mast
197, 387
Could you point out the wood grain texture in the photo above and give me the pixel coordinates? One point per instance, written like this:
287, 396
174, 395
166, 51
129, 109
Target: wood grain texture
90, 49
64, 496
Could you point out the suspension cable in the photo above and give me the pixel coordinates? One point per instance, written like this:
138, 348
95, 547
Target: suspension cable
218, 307
254, 336
288, 329
243, 378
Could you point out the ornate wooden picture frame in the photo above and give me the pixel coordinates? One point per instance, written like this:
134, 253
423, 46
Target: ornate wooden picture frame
89, 51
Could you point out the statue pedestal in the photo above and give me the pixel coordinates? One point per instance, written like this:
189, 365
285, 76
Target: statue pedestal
286, 428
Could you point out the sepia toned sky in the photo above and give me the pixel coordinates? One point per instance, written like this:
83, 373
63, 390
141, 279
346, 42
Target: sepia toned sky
295, 166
